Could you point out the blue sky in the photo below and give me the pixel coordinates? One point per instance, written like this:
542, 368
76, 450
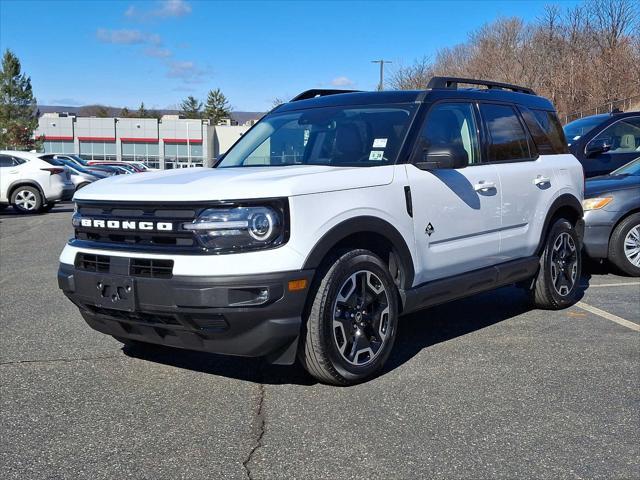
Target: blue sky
122, 52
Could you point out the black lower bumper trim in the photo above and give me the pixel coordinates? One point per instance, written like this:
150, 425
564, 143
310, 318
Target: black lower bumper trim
211, 314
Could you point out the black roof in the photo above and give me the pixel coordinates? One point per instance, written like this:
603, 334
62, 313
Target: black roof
411, 96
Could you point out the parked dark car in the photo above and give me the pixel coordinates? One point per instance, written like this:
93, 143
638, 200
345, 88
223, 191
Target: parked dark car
612, 217
604, 142
75, 160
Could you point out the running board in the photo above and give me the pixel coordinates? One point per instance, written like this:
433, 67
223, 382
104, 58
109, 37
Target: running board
470, 283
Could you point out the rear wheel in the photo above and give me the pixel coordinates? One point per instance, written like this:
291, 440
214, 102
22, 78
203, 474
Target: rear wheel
26, 199
556, 284
624, 246
352, 323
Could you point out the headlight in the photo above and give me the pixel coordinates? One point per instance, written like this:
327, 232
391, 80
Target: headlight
238, 228
596, 203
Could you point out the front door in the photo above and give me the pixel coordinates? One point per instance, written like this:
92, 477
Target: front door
622, 141
456, 213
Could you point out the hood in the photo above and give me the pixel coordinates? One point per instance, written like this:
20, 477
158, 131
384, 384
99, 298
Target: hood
206, 184
610, 183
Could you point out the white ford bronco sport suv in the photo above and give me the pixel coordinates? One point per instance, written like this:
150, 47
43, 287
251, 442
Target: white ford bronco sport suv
331, 217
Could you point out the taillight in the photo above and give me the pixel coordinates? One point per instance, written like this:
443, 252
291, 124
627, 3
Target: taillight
53, 170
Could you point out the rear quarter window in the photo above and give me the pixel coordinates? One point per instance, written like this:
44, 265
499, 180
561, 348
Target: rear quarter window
550, 124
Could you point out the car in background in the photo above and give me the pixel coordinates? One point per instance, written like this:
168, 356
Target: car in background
604, 142
126, 165
80, 176
612, 216
72, 159
30, 184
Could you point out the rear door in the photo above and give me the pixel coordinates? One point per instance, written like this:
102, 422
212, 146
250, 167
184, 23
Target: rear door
456, 212
526, 178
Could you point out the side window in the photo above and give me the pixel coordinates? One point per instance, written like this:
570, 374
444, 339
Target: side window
6, 161
623, 136
546, 131
507, 138
452, 124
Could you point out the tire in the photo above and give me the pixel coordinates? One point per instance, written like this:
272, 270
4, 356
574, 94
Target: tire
556, 285
624, 245
345, 343
26, 199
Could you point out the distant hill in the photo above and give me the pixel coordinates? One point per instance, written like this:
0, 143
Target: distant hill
85, 111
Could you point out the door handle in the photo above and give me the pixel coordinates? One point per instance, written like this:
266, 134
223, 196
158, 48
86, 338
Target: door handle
483, 186
540, 180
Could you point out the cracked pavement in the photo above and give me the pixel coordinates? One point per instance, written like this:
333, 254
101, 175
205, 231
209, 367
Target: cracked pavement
479, 388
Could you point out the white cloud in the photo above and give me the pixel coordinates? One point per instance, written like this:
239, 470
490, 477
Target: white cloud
163, 9
158, 52
127, 37
342, 82
187, 71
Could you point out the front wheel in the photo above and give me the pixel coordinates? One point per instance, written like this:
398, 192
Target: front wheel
557, 282
352, 323
624, 246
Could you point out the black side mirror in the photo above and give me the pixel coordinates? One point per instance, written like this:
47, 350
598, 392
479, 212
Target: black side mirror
598, 146
440, 157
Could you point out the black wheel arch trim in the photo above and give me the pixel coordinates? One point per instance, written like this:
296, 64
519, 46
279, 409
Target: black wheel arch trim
563, 201
363, 224
26, 183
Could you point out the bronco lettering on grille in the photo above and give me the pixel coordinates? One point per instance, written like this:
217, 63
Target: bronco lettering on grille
126, 224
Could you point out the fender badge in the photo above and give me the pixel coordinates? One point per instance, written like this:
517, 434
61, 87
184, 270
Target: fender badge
429, 230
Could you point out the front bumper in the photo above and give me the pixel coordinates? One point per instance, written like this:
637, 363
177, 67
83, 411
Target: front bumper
598, 227
211, 314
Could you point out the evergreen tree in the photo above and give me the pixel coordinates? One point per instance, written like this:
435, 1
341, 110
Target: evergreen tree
142, 111
124, 113
191, 107
18, 117
217, 106
102, 111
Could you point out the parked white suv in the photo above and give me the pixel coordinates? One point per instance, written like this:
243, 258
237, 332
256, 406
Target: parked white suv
331, 217
31, 184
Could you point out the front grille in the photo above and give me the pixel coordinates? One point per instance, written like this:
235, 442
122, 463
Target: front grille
178, 239
93, 263
150, 267
135, 267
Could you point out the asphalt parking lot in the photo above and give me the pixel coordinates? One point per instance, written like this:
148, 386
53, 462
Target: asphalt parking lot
479, 388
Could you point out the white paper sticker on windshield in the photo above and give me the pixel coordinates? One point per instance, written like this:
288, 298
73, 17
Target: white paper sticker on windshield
376, 155
379, 143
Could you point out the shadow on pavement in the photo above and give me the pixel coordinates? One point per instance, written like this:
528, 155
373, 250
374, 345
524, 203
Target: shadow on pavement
416, 332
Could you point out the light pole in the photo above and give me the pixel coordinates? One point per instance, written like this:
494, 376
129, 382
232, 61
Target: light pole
381, 62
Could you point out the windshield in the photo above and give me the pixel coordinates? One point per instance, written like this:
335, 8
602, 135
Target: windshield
361, 136
576, 129
631, 168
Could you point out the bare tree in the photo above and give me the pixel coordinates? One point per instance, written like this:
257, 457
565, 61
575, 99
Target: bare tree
580, 57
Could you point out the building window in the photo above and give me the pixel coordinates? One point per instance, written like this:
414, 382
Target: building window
148, 153
181, 155
98, 150
58, 146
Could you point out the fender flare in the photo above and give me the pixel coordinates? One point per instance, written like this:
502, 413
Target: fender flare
29, 183
364, 224
563, 201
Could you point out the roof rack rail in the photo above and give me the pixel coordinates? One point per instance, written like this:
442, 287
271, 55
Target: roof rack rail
319, 92
452, 82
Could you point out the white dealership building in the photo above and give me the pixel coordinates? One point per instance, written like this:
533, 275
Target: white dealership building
171, 142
